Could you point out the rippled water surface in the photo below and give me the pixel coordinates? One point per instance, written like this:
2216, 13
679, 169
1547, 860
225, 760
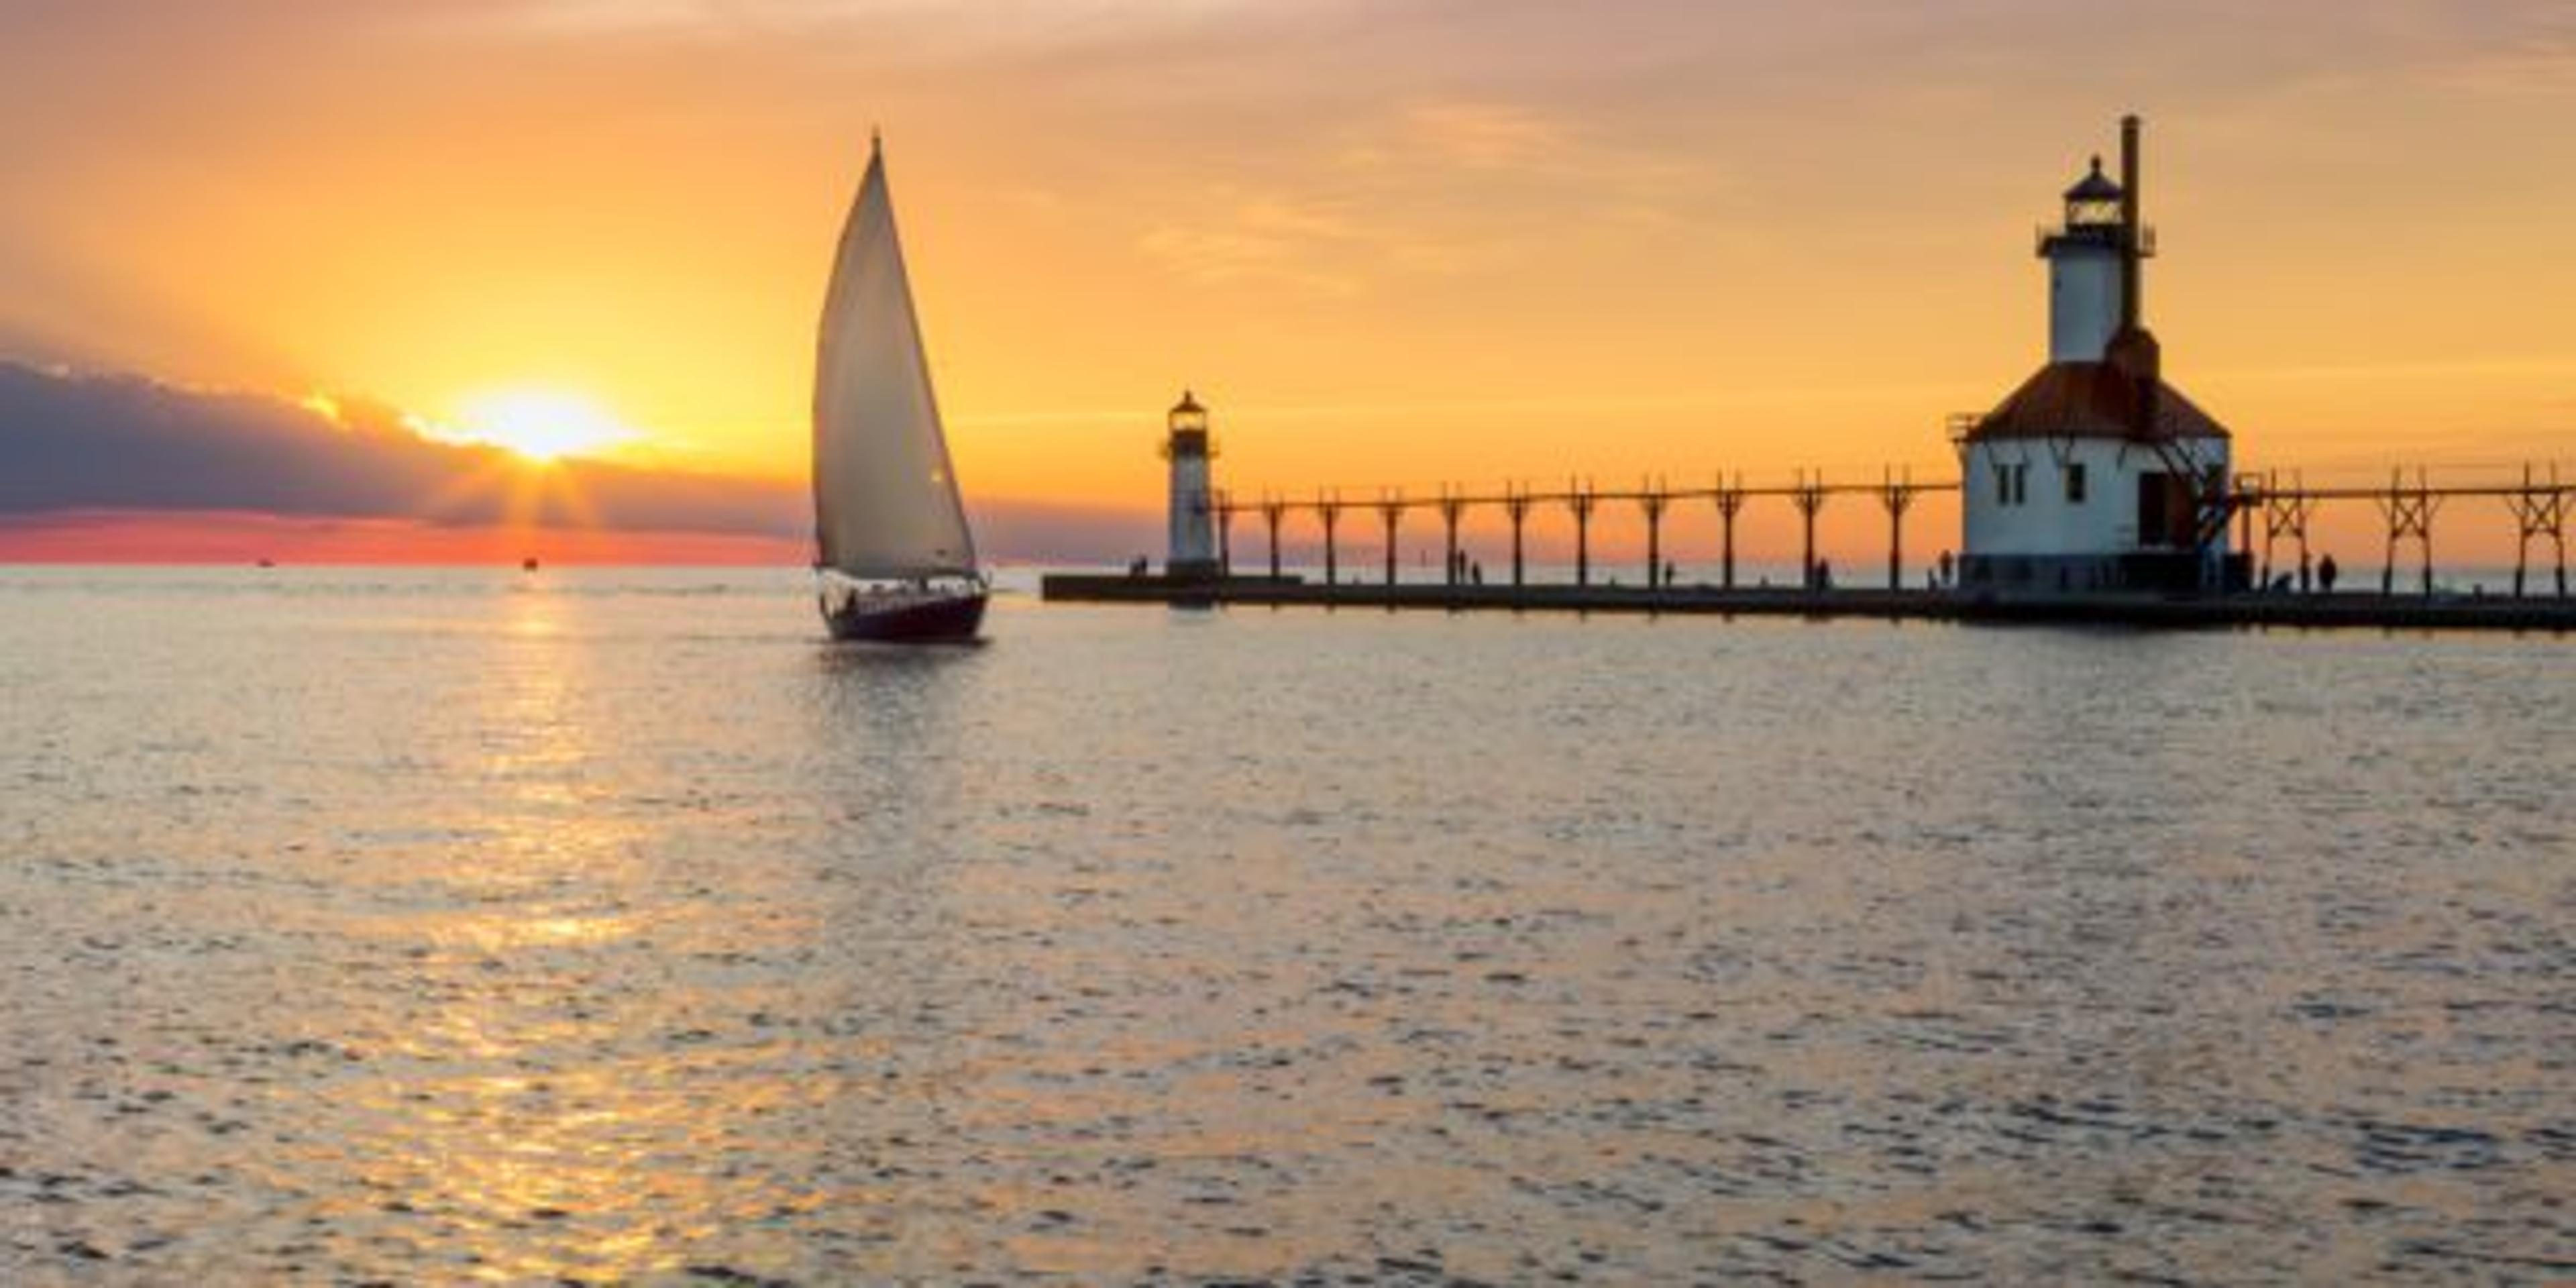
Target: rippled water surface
610, 926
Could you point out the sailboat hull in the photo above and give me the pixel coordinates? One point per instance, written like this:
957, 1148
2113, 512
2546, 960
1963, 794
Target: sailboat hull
930, 619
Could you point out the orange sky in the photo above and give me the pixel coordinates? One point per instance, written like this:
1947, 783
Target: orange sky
1389, 243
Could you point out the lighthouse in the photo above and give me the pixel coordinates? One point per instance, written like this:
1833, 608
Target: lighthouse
2087, 299
1191, 552
2096, 475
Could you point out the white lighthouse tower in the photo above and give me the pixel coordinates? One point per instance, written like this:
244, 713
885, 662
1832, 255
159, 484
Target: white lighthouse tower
2087, 299
1191, 553
2095, 475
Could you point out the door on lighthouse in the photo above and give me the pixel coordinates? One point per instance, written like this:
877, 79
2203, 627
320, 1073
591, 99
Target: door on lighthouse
2164, 510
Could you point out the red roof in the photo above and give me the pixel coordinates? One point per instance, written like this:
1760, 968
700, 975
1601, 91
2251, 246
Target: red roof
2093, 400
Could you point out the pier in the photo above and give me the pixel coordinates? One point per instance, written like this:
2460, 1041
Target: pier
1808, 492
2274, 513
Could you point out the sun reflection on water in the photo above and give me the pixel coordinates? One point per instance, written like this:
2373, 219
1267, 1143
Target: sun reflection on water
562, 1165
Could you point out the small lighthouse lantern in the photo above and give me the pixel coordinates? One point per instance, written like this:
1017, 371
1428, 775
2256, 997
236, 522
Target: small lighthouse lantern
2093, 204
1191, 552
1189, 420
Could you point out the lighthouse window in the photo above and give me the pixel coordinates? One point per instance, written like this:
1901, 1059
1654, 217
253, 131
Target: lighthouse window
2075, 484
2012, 483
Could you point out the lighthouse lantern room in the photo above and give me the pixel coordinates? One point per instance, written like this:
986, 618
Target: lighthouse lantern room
2096, 475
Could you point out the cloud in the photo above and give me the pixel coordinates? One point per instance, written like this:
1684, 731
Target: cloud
2538, 65
1259, 239
74, 445
953, 29
1432, 188
116, 442
1487, 136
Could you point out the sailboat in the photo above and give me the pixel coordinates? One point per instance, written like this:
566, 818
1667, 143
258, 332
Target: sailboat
893, 554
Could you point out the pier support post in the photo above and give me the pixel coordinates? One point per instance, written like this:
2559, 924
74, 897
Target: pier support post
2299, 510
2388, 563
2539, 510
2525, 511
1272, 511
1331, 510
2271, 529
2285, 514
1224, 535
2410, 518
1453, 506
2558, 525
2428, 549
1730, 503
1390, 509
2245, 542
1653, 498
2248, 488
1898, 496
1579, 497
1516, 507
1810, 496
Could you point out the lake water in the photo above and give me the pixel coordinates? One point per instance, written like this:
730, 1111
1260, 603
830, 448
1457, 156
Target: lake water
607, 925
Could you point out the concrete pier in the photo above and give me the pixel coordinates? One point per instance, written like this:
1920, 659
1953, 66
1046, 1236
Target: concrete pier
2351, 611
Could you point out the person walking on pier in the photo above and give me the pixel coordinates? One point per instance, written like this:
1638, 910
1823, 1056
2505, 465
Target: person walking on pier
2326, 571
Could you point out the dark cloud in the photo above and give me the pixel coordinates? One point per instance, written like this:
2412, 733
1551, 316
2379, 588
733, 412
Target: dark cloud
72, 442
117, 442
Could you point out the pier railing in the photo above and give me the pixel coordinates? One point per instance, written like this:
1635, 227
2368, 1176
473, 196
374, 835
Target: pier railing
2271, 509
2538, 506
1809, 492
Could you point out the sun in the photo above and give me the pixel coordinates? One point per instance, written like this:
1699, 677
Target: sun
543, 425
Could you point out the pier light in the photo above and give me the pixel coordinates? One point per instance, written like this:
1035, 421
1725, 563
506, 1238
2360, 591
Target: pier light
1187, 415
1188, 422
2094, 203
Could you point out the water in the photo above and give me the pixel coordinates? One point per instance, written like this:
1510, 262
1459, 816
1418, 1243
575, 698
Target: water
431, 926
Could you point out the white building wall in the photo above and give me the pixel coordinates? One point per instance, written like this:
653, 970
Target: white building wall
1192, 528
2084, 304
2044, 523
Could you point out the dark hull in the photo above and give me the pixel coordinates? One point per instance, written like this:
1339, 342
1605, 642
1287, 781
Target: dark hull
950, 619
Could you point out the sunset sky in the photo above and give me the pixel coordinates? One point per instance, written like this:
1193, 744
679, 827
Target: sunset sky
1396, 242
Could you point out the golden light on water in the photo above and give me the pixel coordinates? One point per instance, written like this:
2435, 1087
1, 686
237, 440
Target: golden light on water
543, 1169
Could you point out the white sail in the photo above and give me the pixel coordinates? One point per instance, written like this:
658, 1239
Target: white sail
885, 496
